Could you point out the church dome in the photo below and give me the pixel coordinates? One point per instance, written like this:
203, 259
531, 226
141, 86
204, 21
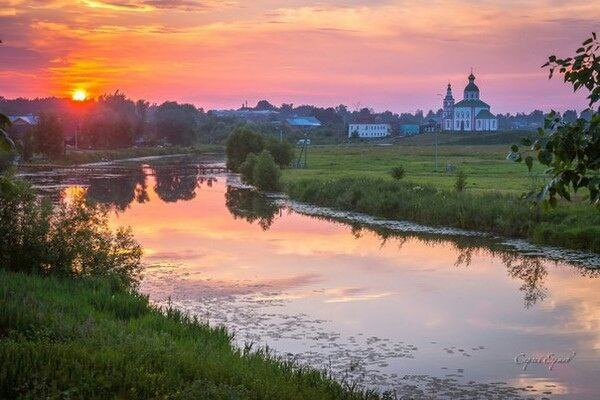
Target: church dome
471, 90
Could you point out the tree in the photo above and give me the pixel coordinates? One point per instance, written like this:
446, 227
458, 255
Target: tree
111, 123
48, 136
6, 143
177, 123
282, 152
266, 172
241, 142
571, 151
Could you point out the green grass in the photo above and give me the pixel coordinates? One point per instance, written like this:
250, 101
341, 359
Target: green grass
85, 339
357, 178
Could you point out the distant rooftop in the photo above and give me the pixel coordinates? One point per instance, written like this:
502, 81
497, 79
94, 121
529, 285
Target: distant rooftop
28, 119
304, 121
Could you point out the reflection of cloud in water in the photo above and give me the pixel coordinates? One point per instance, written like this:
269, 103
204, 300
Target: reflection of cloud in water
184, 255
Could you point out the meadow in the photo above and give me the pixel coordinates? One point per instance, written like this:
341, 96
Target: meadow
85, 338
357, 177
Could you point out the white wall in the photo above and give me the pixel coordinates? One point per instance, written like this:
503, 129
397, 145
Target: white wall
369, 130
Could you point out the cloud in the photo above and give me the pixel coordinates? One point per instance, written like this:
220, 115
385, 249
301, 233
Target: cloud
151, 5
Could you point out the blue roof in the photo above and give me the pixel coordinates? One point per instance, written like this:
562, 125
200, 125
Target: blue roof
303, 121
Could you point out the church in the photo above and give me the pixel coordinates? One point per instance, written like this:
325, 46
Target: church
469, 114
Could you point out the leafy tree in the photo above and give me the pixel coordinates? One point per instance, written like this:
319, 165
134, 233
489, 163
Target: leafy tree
247, 168
282, 151
241, 142
266, 172
6, 143
177, 123
49, 136
570, 151
111, 123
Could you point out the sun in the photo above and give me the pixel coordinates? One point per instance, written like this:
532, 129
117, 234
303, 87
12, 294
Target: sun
79, 95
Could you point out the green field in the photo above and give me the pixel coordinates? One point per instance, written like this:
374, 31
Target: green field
485, 166
63, 338
489, 203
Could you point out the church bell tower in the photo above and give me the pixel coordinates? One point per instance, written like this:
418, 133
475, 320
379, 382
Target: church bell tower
448, 121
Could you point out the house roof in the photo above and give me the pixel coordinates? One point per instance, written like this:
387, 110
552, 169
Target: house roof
471, 103
303, 121
28, 119
485, 114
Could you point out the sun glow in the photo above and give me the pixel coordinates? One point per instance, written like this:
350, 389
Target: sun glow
79, 95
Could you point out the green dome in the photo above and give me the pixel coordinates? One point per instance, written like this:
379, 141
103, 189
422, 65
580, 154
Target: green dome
471, 86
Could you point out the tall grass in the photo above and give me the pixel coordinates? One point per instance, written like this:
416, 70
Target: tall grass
489, 211
492, 212
87, 339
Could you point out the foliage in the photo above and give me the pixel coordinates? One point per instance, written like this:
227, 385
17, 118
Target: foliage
460, 184
282, 151
72, 238
571, 151
266, 174
398, 172
110, 124
6, 143
49, 136
247, 168
177, 123
251, 206
86, 339
491, 212
241, 142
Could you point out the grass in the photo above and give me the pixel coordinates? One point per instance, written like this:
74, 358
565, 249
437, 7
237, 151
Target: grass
66, 338
357, 178
89, 156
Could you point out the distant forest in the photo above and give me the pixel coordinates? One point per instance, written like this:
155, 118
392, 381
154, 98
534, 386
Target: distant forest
116, 121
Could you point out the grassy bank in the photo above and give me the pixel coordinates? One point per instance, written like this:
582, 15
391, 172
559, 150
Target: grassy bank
67, 338
89, 156
357, 178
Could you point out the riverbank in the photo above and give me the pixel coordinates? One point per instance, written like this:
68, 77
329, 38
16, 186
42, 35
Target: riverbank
74, 157
356, 178
86, 339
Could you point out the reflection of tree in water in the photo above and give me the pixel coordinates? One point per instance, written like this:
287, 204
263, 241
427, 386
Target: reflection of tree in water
119, 191
531, 271
251, 206
178, 182
528, 269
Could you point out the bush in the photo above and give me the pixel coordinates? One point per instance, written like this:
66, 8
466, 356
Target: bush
240, 143
266, 172
247, 168
282, 152
70, 239
461, 181
398, 172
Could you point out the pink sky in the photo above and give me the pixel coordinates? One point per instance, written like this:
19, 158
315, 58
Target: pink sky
396, 55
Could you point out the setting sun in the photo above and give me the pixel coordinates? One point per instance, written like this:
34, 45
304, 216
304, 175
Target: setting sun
79, 95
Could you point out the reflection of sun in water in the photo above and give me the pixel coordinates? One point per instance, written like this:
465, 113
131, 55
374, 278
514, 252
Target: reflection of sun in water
79, 95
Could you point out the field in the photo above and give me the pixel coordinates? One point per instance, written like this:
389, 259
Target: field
485, 166
490, 201
84, 339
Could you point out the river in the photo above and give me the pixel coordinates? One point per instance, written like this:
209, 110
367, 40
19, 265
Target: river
428, 314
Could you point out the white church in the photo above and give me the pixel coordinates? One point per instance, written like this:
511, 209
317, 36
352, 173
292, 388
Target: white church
469, 114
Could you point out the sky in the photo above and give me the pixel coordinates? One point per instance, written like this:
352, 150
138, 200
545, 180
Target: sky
396, 55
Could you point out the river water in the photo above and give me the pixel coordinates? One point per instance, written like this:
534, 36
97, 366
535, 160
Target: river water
426, 314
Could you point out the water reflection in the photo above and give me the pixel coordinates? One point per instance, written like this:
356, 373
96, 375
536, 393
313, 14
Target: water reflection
451, 309
251, 206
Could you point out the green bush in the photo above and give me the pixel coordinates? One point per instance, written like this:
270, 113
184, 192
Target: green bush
240, 143
266, 173
70, 239
461, 181
282, 152
247, 168
398, 172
